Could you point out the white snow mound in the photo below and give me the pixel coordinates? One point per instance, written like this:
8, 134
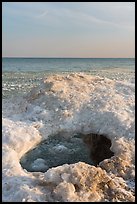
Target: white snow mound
74, 103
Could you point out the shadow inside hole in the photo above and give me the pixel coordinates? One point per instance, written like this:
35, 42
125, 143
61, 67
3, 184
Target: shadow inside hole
99, 146
58, 150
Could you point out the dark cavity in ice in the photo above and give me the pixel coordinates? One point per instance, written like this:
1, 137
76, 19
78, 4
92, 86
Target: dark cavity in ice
58, 150
99, 146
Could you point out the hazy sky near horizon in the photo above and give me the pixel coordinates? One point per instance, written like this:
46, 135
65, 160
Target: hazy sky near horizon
68, 29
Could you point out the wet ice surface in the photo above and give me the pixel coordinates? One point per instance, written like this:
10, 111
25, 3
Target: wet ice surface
19, 83
56, 151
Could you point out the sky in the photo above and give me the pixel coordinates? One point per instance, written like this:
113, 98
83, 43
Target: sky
68, 29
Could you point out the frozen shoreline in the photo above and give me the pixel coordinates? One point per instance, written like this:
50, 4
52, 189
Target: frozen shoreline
70, 103
19, 83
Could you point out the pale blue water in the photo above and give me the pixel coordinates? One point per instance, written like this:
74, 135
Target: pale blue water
65, 64
20, 75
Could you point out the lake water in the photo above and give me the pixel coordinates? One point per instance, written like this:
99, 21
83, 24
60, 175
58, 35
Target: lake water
65, 64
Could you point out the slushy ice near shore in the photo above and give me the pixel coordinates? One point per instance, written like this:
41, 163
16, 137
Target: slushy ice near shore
68, 105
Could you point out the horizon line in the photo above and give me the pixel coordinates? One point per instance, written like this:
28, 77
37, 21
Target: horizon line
73, 57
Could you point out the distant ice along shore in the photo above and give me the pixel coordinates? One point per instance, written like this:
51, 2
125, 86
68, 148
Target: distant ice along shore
54, 115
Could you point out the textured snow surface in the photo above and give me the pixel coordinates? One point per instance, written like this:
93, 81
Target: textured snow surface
70, 104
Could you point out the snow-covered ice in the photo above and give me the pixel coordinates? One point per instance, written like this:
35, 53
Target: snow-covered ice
70, 104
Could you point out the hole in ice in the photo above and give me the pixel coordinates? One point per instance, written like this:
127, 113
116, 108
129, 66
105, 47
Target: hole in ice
58, 150
54, 151
99, 146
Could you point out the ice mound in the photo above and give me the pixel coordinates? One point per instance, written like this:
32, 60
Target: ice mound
70, 104
82, 182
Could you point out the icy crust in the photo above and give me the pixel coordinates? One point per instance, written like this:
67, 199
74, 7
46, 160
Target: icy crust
75, 103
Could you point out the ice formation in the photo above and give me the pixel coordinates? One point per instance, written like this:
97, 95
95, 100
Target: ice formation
70, 104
